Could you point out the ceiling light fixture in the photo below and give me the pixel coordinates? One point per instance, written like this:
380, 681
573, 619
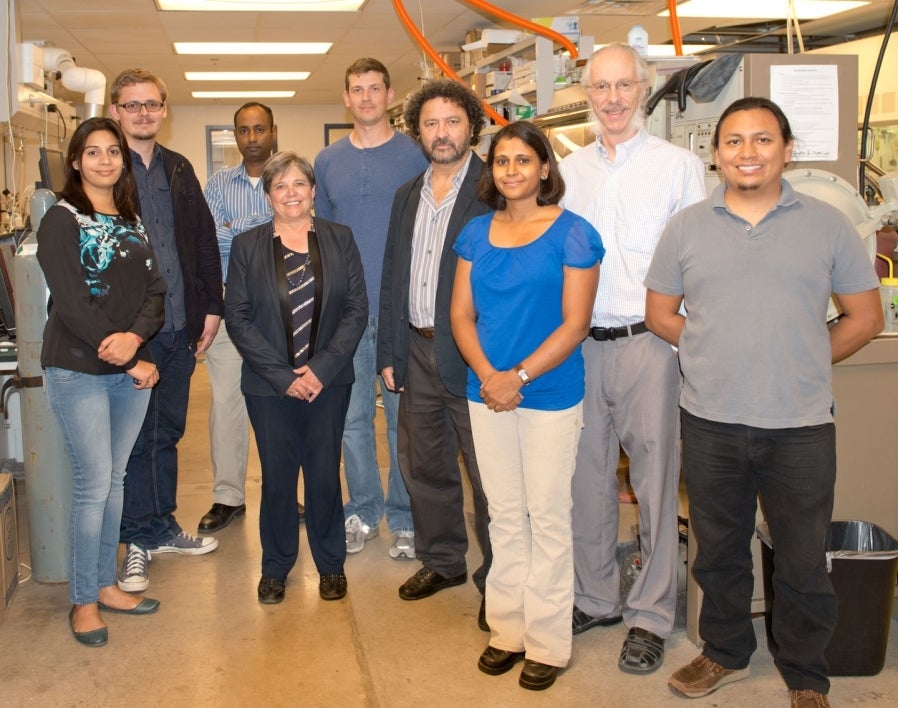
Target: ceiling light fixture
263, 6
246, 75
243, 94
251, 48
764, 9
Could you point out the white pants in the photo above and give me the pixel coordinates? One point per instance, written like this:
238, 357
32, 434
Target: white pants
526, 460
228, 421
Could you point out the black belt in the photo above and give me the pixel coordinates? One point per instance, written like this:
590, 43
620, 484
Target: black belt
426, 332
603, 334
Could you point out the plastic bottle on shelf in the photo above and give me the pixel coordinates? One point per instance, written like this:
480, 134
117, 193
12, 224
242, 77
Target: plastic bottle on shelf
888, 294
638, 38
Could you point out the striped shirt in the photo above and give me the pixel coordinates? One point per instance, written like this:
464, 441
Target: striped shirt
629, 202
431, 223
236, 205
301, 289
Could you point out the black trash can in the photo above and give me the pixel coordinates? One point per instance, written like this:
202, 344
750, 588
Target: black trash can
864, 564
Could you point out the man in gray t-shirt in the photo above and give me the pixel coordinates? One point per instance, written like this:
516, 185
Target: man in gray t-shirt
755, 265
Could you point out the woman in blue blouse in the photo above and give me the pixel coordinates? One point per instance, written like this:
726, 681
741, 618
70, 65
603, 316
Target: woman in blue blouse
106, 300
521, 305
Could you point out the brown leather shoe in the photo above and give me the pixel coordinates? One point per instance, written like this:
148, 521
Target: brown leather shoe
703, 676
808, 699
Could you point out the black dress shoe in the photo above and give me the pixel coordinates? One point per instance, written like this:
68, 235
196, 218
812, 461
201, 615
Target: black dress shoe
146, 606
93, 638
426, 582
332, 586
580, 621
271, 590
481, 616
219, 516
536, 676
497, 661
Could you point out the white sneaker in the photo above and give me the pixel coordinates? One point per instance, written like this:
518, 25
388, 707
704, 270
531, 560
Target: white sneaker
134, 576
403, 546
357, 533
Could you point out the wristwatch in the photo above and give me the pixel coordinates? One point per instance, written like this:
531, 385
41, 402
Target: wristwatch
522, 374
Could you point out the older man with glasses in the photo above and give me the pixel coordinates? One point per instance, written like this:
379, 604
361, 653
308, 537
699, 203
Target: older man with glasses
627, 183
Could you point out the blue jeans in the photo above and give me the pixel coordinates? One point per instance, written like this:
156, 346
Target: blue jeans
100, 417
151, 485
366, 495
726, 467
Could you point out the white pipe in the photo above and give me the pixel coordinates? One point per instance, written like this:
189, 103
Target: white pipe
90, 82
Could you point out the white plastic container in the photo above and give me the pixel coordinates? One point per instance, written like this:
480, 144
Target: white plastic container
638, 38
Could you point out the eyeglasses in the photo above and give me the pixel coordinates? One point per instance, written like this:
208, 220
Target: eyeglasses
603, 87
135, 106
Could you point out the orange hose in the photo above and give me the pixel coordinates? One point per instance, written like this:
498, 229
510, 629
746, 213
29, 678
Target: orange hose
675, 33
528, 25
438, 60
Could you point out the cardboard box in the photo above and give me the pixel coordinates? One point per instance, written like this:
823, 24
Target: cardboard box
9, 547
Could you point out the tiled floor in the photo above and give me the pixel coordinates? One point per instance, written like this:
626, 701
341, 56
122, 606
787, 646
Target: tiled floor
212, 643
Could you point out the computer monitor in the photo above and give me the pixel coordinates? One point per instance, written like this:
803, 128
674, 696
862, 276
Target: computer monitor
52, 169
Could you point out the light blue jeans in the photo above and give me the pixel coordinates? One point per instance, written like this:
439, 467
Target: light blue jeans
100, 417
366, 494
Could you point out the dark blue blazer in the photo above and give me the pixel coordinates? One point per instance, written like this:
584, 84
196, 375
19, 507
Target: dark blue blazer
257, 308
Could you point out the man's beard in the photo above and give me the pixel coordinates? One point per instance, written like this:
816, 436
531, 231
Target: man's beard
445, 159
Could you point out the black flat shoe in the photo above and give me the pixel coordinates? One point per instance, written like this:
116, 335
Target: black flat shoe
271, 590
146, 606
93, 638
536, 676
332, 586
426, 582
497, 661
219, 516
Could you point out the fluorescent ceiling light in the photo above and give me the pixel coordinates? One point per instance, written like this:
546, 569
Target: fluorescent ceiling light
246, 75
250, 48
243, 94
764, 9
264, 6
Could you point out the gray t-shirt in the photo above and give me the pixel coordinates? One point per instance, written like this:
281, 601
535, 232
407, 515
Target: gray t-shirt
755, 347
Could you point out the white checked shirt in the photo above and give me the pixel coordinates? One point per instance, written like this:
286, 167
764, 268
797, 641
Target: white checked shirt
629, 201
431, 222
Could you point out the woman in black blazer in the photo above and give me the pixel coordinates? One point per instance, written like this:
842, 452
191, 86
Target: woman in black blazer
296, 309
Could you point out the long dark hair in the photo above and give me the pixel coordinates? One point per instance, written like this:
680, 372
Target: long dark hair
122, 192
551, 189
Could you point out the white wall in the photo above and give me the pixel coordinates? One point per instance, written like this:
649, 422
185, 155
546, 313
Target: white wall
885, 101
300, 128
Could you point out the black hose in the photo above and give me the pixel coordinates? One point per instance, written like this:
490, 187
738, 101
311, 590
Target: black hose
865, 126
